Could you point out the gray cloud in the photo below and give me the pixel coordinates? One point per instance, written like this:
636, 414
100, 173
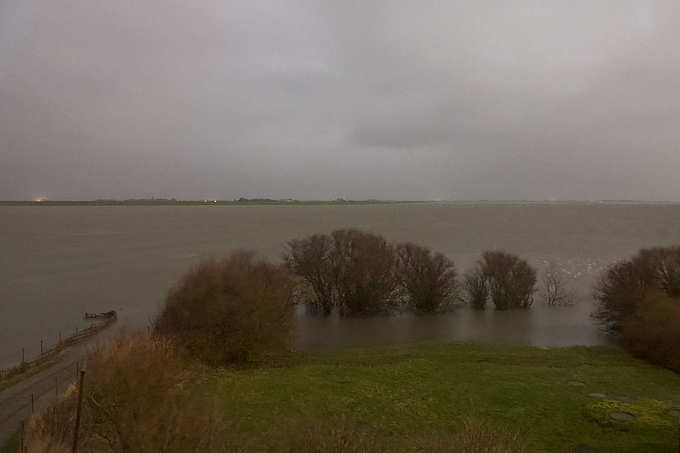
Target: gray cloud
321, 99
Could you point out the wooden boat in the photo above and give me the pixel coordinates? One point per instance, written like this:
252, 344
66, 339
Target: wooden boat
108, 314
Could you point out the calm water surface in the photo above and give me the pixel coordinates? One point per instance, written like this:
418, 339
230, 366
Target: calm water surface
59, 262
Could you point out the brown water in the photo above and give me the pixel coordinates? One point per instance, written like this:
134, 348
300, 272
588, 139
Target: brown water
59, 262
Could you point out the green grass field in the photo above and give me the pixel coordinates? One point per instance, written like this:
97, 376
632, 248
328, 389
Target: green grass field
405, 394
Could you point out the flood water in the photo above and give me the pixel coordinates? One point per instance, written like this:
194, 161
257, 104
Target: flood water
56, 263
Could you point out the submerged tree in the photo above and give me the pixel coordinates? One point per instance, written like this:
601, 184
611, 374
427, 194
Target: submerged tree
622, 288
365, 270
349, 269
428, 279
312, 259
511, 280
555, 291
475, 289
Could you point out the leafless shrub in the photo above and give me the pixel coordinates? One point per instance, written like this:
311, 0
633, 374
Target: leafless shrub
475, 289
475, 437
365, 268
555, 291
510, 279
668, 272
622, 288
312, 259
232, 310
427, 278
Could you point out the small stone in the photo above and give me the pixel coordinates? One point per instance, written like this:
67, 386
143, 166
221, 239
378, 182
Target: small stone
583, 449
576, 383
676, 414
622, 416
597, 395
625, 399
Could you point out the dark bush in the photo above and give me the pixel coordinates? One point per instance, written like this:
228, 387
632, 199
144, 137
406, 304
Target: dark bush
652, 333
232, 310
312, 259
428, 279
365, 269
621, 290
475, 289
511, 280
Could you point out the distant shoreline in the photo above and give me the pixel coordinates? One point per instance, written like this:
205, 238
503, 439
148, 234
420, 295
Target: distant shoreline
162, 202
273, 202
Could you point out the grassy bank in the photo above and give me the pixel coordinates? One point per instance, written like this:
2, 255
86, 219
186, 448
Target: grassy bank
6, 383
406, 394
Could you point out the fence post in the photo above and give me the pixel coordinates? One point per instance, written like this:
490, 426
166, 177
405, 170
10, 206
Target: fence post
59, 338
56, 386
41, 348
32, 404
80, 403
23, 355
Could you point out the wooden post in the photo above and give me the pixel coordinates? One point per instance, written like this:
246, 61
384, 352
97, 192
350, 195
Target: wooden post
80, 403
23, 355
59, 338
32, 404
56, 387
41, 348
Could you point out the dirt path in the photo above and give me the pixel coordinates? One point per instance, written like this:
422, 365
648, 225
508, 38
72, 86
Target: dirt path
15, 401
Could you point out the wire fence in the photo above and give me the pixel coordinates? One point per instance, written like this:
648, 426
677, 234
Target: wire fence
44, 392
51, 352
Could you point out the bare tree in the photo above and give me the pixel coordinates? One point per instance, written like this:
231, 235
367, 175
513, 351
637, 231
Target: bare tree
312, 259
475, 289
365, 265
427, 278
511, 280
623, 287
555, 291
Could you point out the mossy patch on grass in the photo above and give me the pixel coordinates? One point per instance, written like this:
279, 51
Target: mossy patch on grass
646, 414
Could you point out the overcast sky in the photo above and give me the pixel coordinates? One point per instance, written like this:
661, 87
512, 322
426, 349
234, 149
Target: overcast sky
312, 99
